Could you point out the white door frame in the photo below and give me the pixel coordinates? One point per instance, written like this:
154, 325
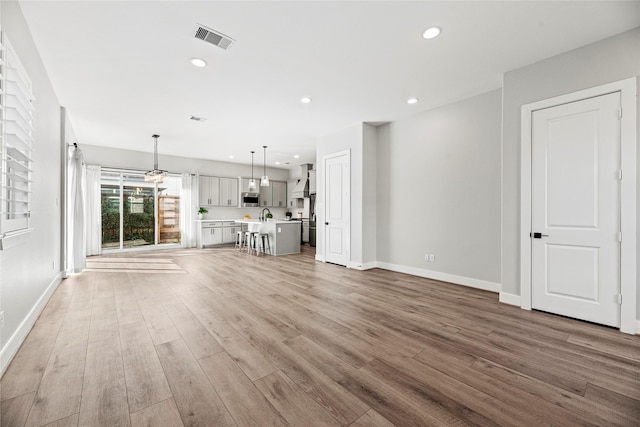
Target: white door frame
628, 248
348, 206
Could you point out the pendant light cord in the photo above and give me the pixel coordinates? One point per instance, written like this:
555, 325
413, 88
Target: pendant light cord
252, 165
265, 160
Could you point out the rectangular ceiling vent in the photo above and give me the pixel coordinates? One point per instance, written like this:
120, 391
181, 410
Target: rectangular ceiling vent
213, 37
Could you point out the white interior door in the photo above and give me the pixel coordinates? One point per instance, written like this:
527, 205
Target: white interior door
575, 188
337, 208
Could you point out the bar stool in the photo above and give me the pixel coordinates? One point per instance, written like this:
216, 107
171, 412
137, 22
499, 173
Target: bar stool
251, 237
264, 237
239, 240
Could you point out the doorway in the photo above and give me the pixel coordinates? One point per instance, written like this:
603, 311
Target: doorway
337, 190
137, 214
578, 212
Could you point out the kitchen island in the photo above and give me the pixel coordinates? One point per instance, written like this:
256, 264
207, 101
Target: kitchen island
284, 235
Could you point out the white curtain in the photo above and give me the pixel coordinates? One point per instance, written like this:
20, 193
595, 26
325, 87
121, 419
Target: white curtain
93, 211
187, 218
75, 211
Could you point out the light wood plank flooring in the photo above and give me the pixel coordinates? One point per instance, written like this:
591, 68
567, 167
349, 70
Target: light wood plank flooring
220, 338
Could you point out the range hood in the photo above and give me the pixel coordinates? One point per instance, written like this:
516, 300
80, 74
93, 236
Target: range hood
301, 189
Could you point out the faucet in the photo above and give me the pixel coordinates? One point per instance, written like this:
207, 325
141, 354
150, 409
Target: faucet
262, 213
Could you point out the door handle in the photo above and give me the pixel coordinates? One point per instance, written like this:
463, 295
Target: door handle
538, 235
326, 223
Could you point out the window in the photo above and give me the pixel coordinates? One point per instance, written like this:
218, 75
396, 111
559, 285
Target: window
16, 141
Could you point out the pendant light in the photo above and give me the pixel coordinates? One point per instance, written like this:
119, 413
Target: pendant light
155, 175
252, 182
264, 181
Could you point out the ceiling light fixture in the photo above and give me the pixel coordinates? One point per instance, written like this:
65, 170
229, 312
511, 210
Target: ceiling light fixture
252, 182
264, 181
198, 62
431, 33
296, 156
305, 100
412, 101
155, 175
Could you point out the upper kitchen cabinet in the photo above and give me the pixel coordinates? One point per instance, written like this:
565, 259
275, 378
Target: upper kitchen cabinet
229, 192
209, 190
244, 185
215, 191
274, 196
266, 196
279, 194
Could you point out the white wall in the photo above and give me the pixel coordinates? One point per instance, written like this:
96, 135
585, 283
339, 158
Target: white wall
31, 269
605, 61
349, 138
439, 192
369, 223
137, 160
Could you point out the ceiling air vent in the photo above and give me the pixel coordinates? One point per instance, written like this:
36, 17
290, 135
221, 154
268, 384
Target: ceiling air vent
213, 37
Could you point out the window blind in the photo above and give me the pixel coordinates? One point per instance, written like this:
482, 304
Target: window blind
17, 140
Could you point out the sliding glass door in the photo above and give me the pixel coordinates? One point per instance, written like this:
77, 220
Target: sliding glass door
138, 214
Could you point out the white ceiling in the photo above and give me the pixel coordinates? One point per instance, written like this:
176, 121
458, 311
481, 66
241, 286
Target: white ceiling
121, 68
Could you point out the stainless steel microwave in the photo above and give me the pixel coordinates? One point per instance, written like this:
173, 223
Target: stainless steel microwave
250, 200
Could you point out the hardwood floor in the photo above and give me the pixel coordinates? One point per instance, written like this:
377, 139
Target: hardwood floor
216, 337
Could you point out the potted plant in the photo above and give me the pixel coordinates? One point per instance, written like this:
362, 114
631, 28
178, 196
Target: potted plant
268, 216
288, 215
201, 212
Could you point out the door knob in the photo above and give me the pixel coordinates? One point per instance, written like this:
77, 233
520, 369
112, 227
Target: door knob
326, 223
538, 235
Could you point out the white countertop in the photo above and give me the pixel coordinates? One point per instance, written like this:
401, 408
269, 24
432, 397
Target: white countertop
271, 221
252, 220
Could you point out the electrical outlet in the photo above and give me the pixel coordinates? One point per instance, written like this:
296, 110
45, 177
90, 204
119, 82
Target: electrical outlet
432, 258
426, 257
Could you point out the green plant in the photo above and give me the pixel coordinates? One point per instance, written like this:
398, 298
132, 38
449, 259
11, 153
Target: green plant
268, 215
202, 210
288, 214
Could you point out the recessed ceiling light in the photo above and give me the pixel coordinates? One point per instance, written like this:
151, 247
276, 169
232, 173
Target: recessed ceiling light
198, 62
231, 156
431, 33
295, 156
412, 101
305, 100
277, 163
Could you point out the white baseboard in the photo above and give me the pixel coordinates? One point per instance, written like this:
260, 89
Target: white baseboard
637, 327
510, 299
445, 277
319, 258
362, 267
13, 344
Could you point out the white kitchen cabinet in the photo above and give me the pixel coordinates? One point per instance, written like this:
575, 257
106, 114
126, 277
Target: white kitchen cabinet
216, 232
211, 234
279, 195
244, 185
209, 190
229, 232
266, 196
229, 192
275, 195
